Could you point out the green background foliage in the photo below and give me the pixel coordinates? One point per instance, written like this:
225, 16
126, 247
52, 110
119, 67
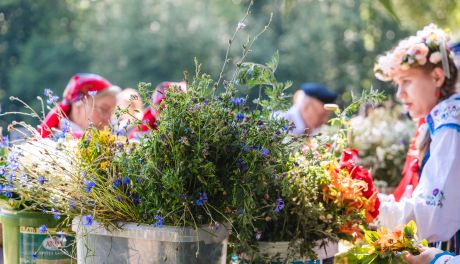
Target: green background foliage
43, 43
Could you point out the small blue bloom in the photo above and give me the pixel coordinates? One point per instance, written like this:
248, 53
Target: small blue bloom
66, 126
72, 204
136, 199
279, 205
10, 177
55, 214
119, 198
247, 148
4, 142
87, 220
238, 101
183, 196
202, 199
241, 166
265, 152
92, 93
257, 148
42, 229
47, 92
127, 181
41, 180
88, 185
159, 222
116, 183
8, 189
52, 100
435, 192
34, 256
240, 116
2, 170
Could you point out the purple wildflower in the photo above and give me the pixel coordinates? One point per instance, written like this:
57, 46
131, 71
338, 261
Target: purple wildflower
127, 181
41, 180
52, 100
4, 141
159, 222
203, 198
265, 152
43, 229
88, 185
435, 192
279, 205
116, 183
238, 101
87, 220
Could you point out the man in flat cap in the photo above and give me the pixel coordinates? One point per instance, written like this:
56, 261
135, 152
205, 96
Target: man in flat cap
307, 113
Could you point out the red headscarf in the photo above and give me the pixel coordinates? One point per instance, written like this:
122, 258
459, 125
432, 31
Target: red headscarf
151, 115
411, 168
78, 87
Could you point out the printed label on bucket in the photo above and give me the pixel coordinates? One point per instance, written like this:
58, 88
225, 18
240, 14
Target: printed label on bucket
50, 247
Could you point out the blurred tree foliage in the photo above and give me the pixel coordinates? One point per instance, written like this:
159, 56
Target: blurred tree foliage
44, 42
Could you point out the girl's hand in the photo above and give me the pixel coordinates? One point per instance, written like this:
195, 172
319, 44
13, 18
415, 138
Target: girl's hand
426, 255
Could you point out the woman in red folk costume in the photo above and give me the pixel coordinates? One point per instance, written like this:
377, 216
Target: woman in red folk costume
152, 113
88, 99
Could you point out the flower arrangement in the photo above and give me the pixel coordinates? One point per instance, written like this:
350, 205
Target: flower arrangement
381, 149
383, 246
429, 45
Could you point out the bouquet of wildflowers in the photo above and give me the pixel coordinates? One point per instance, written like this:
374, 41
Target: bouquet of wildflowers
327, 196
383, 246
383, 150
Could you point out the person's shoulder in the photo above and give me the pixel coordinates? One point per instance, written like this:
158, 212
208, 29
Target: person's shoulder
445, 115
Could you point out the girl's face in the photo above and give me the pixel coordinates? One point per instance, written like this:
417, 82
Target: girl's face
418, 90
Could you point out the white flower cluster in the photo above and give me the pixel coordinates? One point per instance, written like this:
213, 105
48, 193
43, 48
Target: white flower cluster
425, 46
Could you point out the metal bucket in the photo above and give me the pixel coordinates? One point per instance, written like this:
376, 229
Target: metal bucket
135, 243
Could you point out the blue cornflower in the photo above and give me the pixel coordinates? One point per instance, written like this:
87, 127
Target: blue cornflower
2, 170
55, 214
72, 204
4, 141
240, 116
241, 166
159, 222
88, 185
238, 101
42, 229
279, 205
265, 152
10, 177
87, 220
1, 188
136, 199
127, 181
66, 126
47, 92
116, 183
247, 148
52, 100
34, 256
203, 198
41, 180
92, 93
119, 198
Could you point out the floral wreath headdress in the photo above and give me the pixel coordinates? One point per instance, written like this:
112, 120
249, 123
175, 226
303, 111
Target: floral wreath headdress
429, 45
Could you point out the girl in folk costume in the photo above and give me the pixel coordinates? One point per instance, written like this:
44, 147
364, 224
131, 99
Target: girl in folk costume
88, 99
422, 67
151, 114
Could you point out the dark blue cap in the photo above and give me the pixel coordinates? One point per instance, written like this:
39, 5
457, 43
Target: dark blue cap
319, 92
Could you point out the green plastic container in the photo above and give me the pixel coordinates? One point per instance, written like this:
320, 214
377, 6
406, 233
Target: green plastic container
22, 239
